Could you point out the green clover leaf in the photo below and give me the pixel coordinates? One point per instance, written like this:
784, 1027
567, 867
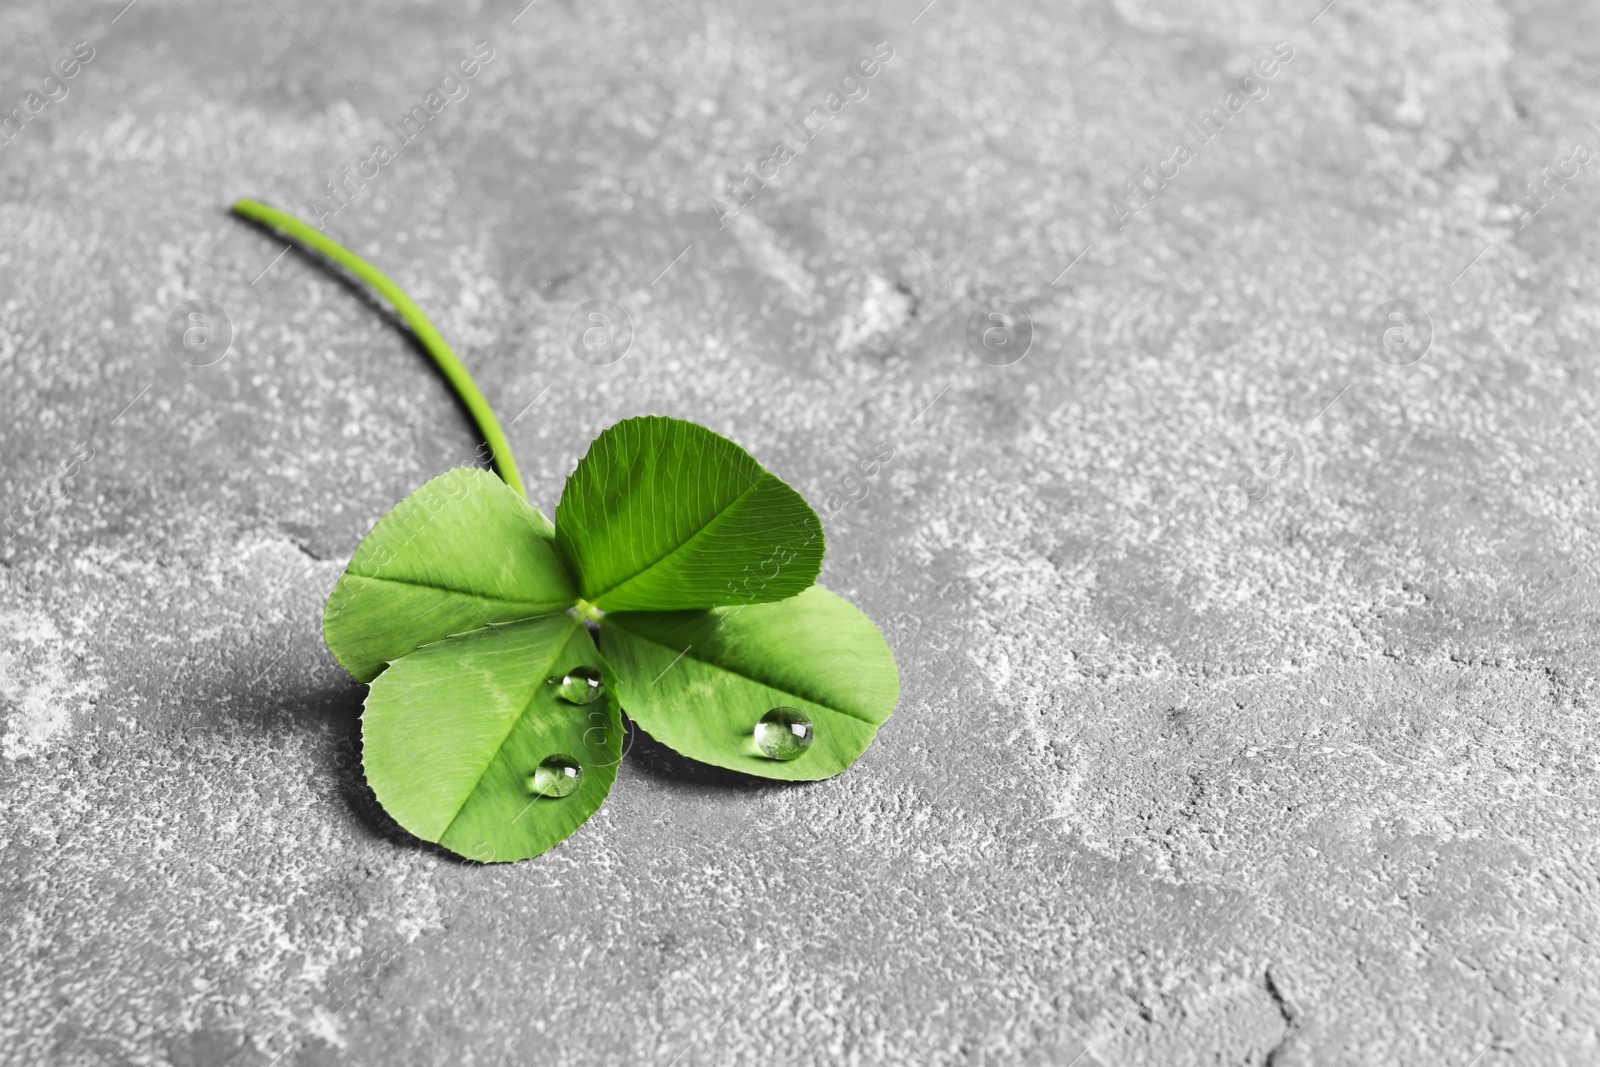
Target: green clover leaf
454, 734
463, 551
662, 515
700, 681
493, 721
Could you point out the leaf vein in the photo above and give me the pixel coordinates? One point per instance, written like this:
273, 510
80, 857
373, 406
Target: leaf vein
684, 653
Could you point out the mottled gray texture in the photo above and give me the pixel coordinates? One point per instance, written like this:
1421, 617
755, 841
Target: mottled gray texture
1179, 776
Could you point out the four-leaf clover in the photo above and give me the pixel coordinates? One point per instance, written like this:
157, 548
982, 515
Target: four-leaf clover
676, 584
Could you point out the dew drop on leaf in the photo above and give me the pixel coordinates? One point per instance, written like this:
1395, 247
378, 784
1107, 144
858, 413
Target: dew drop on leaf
580, 685
783, 734
558, 776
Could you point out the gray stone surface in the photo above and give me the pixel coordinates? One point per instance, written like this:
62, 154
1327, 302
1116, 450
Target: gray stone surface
1248, 698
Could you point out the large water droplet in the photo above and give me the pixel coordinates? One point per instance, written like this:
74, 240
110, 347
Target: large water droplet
784, 734
580, 685
558, 776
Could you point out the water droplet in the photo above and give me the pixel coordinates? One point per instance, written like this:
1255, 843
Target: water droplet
580, 685
558, 776
783, 733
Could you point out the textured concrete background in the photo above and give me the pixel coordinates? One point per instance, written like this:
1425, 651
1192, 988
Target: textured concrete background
1248, 694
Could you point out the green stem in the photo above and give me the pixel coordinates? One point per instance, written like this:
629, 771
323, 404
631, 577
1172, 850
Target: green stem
432, 343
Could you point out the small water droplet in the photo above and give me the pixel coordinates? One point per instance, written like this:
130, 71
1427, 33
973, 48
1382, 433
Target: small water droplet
783, 734
580, 685
558, 776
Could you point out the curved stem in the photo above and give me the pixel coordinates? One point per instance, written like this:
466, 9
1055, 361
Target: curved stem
432, 342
